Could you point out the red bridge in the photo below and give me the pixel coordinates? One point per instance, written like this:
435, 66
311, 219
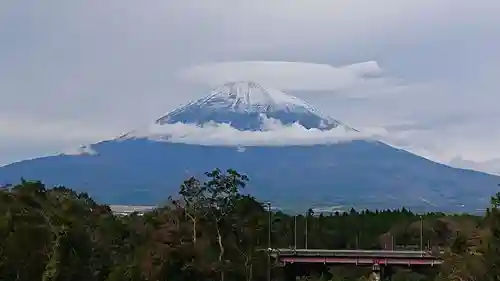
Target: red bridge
358, 257
295, 261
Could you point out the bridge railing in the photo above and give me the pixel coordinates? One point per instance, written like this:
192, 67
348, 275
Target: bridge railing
350, 253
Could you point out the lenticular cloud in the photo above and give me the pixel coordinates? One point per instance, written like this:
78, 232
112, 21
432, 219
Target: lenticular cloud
284, 75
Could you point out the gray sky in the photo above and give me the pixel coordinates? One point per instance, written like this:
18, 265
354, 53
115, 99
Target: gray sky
76, 72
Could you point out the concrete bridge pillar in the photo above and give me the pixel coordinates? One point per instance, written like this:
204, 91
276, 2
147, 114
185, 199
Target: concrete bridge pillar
375, 274
380, 272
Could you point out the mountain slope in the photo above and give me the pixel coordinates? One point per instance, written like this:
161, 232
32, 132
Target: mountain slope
139, 169
359, 173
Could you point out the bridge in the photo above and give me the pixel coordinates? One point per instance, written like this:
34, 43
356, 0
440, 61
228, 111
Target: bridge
124, 210
357, 257
294, 261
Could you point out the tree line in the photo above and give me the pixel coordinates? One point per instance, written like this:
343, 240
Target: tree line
211, 230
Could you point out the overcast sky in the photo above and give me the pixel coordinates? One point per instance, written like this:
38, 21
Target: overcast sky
74, 72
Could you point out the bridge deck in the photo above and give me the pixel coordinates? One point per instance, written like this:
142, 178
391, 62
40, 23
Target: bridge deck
354, 256
351, 253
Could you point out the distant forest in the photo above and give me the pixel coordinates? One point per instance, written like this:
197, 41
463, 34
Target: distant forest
211, 231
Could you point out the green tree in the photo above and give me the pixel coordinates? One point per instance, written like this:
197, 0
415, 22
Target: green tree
223, 193
459, 245
493, 246
248, 225
193, 195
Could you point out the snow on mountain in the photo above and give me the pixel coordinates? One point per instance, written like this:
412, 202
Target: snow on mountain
244, 105
85, 149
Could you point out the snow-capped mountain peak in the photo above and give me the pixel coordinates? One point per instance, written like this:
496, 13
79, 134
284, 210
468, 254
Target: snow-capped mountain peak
244, 104
247, 97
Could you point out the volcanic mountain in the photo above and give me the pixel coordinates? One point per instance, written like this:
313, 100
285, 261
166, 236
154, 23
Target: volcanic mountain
243, 104
145, 167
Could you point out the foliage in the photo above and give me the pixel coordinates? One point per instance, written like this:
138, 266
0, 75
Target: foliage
211, 231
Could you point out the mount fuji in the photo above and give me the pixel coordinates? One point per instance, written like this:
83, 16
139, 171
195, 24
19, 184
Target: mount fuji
146, 165
244, 104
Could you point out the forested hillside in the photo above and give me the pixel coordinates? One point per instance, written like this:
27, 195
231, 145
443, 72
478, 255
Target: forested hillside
210, 231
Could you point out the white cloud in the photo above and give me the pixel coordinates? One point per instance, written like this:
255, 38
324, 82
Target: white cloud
23, 138
81, 150
274, 134
21, 129
491, 166
283, 75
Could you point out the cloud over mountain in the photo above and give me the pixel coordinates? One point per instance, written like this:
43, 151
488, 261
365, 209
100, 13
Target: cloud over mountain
284, 75
274, 134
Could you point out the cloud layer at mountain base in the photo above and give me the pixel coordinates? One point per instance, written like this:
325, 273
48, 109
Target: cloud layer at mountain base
273, 134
